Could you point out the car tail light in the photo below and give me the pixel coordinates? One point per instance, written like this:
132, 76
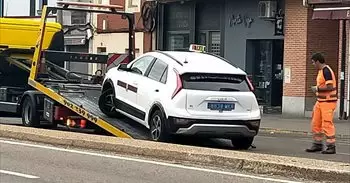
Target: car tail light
250, 83
178, 84
70, 122
82, 123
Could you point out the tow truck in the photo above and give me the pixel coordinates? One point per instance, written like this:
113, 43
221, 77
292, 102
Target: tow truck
35, 84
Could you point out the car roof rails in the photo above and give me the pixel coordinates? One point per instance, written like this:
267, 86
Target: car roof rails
168, 55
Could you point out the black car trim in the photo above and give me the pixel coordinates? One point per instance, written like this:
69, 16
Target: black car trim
130, 109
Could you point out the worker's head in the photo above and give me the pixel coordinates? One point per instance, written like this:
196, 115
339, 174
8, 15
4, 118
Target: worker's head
318, 60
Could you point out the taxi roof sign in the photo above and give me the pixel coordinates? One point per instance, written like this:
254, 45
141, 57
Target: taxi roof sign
197, 48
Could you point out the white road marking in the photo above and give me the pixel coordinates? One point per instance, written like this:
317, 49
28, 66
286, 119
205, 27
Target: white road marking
19, 174
346, 154
302, 140
310, 141
267, 137
148, 161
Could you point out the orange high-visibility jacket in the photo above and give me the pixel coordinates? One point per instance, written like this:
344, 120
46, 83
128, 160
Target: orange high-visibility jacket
326, 76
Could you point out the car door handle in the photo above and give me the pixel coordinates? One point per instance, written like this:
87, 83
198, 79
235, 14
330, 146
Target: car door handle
156, 90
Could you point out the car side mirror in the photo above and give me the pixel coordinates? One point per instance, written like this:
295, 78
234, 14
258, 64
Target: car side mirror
136, 70
123, 67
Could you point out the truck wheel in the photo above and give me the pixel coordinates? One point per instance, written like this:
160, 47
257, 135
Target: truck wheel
106, 103
158, 128
242, 143
30, 116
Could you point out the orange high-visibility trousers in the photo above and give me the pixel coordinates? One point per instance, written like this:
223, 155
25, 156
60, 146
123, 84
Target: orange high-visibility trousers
322, 122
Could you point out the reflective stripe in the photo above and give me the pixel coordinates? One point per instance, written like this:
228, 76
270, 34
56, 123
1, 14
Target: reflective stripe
326, 96
318, 137
318, 134
330, 142
331, 137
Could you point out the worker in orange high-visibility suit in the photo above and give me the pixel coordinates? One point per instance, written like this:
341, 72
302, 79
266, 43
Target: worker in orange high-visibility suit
322, 117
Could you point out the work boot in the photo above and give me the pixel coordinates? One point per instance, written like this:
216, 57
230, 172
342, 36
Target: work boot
314, 148
330, 149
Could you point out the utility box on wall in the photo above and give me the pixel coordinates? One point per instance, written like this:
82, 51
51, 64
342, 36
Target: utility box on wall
267, 9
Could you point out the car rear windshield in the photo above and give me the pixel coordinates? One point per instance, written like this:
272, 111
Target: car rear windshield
215, 82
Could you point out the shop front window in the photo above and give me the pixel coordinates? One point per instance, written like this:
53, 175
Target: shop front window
215, 42
210, 39
178, 41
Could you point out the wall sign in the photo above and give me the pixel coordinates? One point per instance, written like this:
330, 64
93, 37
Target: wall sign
238, 19
287, 74
279, 24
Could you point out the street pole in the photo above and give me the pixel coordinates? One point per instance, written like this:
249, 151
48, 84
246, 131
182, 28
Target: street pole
60, 16
342, 71
32, 8
60, 20
2, 5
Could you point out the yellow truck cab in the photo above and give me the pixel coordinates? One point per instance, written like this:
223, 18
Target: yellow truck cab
22, 34
18, 38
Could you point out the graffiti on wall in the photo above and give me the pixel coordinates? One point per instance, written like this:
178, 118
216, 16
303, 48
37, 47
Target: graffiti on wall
239, 19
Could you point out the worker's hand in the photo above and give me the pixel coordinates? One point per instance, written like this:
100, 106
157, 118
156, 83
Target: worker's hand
314, 89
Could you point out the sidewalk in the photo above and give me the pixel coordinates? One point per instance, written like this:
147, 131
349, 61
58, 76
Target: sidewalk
275, 124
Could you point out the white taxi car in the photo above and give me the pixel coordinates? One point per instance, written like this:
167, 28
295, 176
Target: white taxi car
184, 93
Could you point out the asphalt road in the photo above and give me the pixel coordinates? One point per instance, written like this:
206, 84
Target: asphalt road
274, 144
28, 162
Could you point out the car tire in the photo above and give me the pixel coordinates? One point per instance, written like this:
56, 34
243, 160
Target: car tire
30, 117
158, 131
106, 103
242, 143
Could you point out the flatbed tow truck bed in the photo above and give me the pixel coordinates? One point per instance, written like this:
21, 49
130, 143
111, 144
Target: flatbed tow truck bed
58, 99
86, 96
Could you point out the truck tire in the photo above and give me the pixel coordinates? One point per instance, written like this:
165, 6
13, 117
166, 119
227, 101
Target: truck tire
30, 116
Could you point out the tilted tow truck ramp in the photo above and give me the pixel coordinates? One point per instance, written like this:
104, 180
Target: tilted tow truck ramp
56, 89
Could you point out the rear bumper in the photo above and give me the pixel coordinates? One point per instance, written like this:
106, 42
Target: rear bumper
225, 131
214, 128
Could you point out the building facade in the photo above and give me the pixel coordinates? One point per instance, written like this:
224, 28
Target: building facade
307, 31
271, 40
248, 33
111, 33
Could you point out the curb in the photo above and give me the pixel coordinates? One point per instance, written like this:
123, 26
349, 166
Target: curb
234, 160
277, 131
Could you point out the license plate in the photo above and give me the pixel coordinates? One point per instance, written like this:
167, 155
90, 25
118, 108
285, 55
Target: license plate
221, 106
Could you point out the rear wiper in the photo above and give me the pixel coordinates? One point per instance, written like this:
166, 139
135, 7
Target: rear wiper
228, 89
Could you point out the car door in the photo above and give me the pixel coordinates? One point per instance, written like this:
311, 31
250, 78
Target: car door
153, 88
134, 77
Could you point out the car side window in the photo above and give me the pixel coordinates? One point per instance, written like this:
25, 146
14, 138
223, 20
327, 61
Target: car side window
164, 76
141, 65
158, 70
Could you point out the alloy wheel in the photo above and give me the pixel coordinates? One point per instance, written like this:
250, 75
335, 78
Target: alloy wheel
109, 102
27, 114
156, 127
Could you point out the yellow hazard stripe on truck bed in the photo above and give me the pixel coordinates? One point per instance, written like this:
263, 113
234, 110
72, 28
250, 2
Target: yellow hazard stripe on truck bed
82, 112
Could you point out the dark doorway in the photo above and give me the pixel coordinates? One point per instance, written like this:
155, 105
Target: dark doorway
194, 22
265, 65
277, 76
208, 26
178, 23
